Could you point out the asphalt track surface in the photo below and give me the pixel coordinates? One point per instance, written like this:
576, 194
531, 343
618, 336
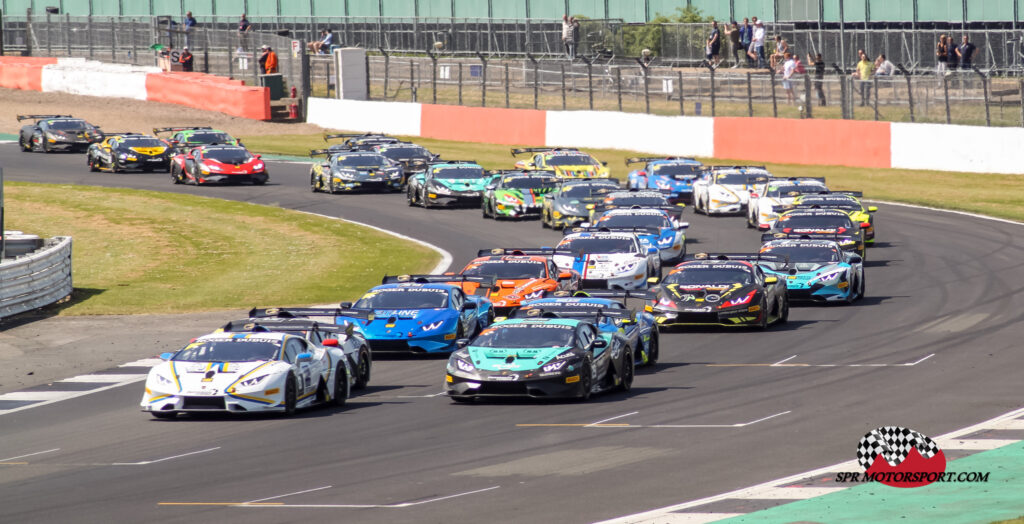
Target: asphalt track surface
713, 416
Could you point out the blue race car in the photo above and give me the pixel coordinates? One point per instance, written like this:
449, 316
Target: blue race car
607, 310
671, 236
422, 313
816, 270
674, 175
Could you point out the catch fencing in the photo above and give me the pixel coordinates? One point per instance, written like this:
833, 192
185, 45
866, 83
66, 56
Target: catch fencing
36, 279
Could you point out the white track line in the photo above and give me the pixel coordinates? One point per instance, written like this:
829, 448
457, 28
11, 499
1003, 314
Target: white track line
105, 378
783, 361
56, 396
366, 506
290, 494
918, 361
147, 462
981, 444
609, 419
30, 454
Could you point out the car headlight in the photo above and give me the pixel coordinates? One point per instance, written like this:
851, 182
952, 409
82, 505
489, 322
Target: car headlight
250, 382
395, 173
344, 175
570, 210
258, 166
464, 365
555, 366
738, 301
829, 276
536, 294
433, 325
439, 189
162, 380
627, 266
209, 167
510, 199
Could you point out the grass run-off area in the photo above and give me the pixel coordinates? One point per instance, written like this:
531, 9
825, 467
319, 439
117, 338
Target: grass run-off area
150, 252
994, 195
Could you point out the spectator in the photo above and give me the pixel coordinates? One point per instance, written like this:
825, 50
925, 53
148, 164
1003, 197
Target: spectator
965, 52
569, 25
756, 51
714, 47
819, 76
244, 28
788, 68
781, 47
189, 24
268, 61
883, 67
746, 33
953, 58
185, 59
734, 42
863, 73
941, 55
323, 45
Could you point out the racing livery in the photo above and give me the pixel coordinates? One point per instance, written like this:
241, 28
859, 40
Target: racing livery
123, 151
673, 175
187, 137
653, 225
820, 224
720, 289
565, 162
518, 277
347, 171
769, 199
448, 183
413, 158
608, 259
57, 133
218, 164
539, 358
818, 270
244, 373
567, 205
848, 201
360, 141
516, 194
726, 189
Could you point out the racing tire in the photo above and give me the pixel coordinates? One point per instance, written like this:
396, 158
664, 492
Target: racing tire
423, 200
586, 381
92, 164
411, 200
483, 210
341, 383
363, 369
314, 183
784, 315
763, 324
291, 395
652, 348
862, 285
45, 147
260, 182
544, 218
175, 176
114, 167
26, 147
628, 372
164, 414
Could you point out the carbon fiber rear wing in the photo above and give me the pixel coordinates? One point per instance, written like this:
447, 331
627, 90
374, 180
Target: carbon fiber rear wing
158, 130
40, 117
608, 293
843, 239
286, 325
745, 257
438, 279
604, 229
524, 172
120, 133
574, 312
517, 251
306, 312
329, 136
857, 194
644, 159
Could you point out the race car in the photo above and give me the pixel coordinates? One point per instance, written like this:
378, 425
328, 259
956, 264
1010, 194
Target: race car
516, 194
349, 171
565, 162
188, 137
413, 314
608, 259
653, 224
767, 200
413, 158
57, 133
447, 183
212, 164
318, 325
519, 276
566, 206
361, 141
820, 224
539, 358
848, 201
606, 310
720, 289
246, 373
123, 151
636, 199
726, 189
817, 270
674, 175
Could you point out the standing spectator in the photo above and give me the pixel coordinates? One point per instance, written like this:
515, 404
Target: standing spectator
189, 24
819, 76
734, 42
941, 55
954, 58
863, 73
788, 68
186, 59
268, 61
965, 52
883, 67
746, 33
756, 51
244, 28
569, 25
714, 47
781, 47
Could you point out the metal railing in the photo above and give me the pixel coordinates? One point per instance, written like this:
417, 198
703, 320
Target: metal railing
36, 279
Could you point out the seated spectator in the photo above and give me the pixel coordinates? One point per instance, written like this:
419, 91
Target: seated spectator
781, 47
322, 46
883, 67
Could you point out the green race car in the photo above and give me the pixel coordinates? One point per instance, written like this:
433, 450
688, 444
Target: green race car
447, 183
517, 193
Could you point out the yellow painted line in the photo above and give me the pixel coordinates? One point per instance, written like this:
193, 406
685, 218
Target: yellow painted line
220, 503
573, 425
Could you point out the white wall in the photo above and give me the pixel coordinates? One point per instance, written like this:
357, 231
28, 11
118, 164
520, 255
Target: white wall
668, 135
398, 118
88, 77
958, 148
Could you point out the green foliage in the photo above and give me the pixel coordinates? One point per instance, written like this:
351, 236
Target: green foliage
637, 37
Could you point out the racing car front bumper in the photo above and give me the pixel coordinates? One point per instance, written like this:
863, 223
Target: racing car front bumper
718, 207
144, 163
209, 403
397, 342
709, 316
631, 281
254, 178
517, 211
839, 292
382, 184
67, 145
513, 384
468, 198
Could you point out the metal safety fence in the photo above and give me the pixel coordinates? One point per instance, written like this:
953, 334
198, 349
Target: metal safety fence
36, 279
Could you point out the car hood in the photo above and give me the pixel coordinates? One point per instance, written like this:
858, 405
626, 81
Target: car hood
698, 295
580, 171
519, 197
211, 378
404, 319
513, 359
462, 184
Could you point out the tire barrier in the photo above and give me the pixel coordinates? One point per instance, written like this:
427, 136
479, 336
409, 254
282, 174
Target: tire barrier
36, 279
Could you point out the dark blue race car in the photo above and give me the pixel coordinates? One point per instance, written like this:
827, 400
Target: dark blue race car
674, 175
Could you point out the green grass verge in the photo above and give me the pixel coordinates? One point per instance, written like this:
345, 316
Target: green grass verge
995, 195
150, 252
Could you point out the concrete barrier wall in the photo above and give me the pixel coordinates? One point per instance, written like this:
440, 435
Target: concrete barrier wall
852, 143
958, 148
668, 135
397, 118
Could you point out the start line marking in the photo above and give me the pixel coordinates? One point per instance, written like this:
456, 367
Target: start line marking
786, 364
602, 424
256, 504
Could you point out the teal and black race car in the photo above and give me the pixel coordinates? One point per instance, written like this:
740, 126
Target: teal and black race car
567, 205
540, 358
448, 183
516, 193
348, 171
816, 270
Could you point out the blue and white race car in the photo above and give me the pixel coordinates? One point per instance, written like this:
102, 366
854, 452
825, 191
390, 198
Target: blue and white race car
607, 310
775, 195
816, 270
674, 175
726, 189
668, 235
422, 313
608, 259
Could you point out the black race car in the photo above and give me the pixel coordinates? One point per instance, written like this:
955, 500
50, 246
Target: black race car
567, 205
720, 289
362, 141
124, 151
413, 158
57, 133
820, 224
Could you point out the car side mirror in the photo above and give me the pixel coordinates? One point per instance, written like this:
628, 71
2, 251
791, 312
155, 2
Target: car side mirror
652, 280
604, 164
770, 280
258, 155
332, 342
652, 251
856, 259
565, 275
600, 343
166, 356
469, 305
683, 225
490, 187
304, 357
764, 227
461, 343
872, 209
345, 305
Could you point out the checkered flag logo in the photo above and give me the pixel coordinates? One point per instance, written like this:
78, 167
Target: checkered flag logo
893, 443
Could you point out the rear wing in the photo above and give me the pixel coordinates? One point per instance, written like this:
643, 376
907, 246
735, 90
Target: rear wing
608, 293
521, 150
285, 324
437, 279
596, 314
329, 136
645, 159
517, 251
306, 312
843, 239
857, 194
733, 168
120, 133
524, 172
439, 161
603, 229
674, 212
158, 130
40, 117
745, 257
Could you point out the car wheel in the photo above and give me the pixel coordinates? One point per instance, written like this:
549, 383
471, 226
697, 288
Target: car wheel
652, 348
176, 175
763, 324
45, 144
164, 414
544, 220
25, 146
423, 200
114, 168
290, 395
409, 197
260, 181
626, 375
341, 384
314, 183
586, 381
863, 285
483, 210
92, 164
784, 316
363, 369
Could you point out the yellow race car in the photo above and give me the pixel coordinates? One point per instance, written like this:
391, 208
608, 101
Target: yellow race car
565, 162
847, 201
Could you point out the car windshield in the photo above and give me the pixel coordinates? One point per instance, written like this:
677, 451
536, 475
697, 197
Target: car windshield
594, 245
69, 125
511, 270
585, 190
702, 276
363, 161
210, 137
144, 142
677, 171
571, 160
732, 179
641, 201
459, 173
404, 299
525, 336
396, 153
634, 221
229, 156
236, 350
528, 182
816, 222
804, 254
849, 205
784, 191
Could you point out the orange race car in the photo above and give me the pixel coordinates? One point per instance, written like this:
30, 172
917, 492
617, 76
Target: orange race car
520, 275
